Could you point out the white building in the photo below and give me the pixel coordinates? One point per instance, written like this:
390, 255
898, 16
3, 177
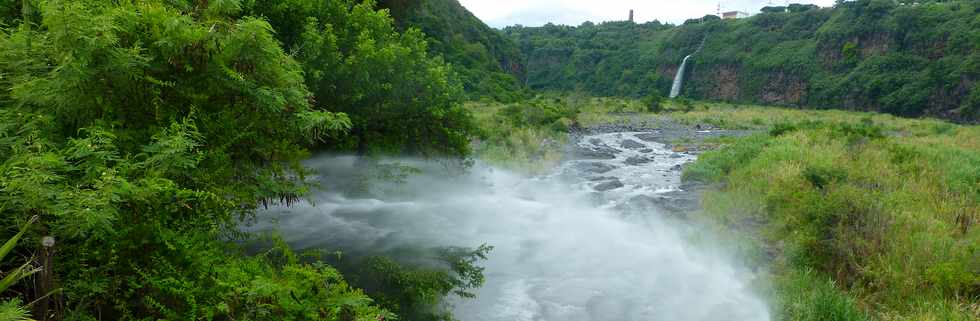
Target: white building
734, 15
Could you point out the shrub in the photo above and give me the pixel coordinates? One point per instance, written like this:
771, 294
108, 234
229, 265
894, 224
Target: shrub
808, 296
415, 292
820, 177
686, 104
715, 165
653, 102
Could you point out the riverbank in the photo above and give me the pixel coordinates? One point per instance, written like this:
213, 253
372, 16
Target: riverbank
856, 216
866, 216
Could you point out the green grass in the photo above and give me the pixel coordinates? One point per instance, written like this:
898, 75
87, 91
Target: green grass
520, 147
885, 207
808, 296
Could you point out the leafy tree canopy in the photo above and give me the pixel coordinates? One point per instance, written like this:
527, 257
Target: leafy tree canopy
141, 133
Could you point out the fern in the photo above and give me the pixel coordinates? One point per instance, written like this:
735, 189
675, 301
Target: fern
12, 311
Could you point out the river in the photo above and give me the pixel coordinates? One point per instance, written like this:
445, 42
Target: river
597, 238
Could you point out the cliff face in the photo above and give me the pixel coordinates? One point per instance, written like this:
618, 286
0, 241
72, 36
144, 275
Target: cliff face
866, 55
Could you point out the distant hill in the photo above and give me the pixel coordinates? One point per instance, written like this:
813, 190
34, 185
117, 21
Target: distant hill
488, 62
910, 60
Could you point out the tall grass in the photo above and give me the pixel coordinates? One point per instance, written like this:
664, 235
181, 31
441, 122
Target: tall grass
808, 296
887, 208
515, 142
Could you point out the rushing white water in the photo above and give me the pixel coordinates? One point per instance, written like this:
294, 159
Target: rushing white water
563, 250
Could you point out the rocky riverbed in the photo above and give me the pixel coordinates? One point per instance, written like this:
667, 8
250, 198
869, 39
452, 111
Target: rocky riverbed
637, 166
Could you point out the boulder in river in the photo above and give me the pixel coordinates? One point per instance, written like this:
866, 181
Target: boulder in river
677, 204
596, 152
601, 178
649, 137
594, 167
631, 144
610, 185
638, 160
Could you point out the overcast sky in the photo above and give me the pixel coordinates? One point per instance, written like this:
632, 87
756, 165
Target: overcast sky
501, 13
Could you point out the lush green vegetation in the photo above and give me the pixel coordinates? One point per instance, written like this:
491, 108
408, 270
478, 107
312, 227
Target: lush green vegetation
526, 136
488, 63
354, 61
887, 208
11, 309
909, 60
141, 134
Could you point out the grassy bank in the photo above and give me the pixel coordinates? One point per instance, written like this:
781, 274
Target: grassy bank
868, 216
857, 216
526, 136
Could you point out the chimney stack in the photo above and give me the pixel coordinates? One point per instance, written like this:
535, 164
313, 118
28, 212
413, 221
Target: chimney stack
631, 15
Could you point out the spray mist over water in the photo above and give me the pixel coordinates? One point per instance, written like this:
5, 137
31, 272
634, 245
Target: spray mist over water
563, 250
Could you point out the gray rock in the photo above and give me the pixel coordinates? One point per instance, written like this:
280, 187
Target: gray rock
585, 153
601, 178
632, 144
610, 185
597, 152
675, 204
637, 160
594, 167
646, 150
649, 137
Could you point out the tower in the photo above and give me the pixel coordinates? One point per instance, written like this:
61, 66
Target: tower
631, 15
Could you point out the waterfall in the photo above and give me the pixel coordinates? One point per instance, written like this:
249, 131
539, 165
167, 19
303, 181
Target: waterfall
675, 90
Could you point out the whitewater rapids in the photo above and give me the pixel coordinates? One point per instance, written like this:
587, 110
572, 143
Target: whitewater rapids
585, 242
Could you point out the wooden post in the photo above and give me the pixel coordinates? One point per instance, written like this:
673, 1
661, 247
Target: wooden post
44, 284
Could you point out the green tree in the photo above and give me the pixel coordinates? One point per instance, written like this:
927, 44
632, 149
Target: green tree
139, 133
488, 63
399, 99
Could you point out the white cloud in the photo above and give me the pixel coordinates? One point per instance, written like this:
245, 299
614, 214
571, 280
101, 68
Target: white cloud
500, 13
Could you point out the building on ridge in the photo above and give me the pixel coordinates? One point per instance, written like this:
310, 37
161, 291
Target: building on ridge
734, 15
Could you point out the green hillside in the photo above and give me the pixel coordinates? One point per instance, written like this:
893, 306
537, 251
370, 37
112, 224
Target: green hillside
488, 63
909, 60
